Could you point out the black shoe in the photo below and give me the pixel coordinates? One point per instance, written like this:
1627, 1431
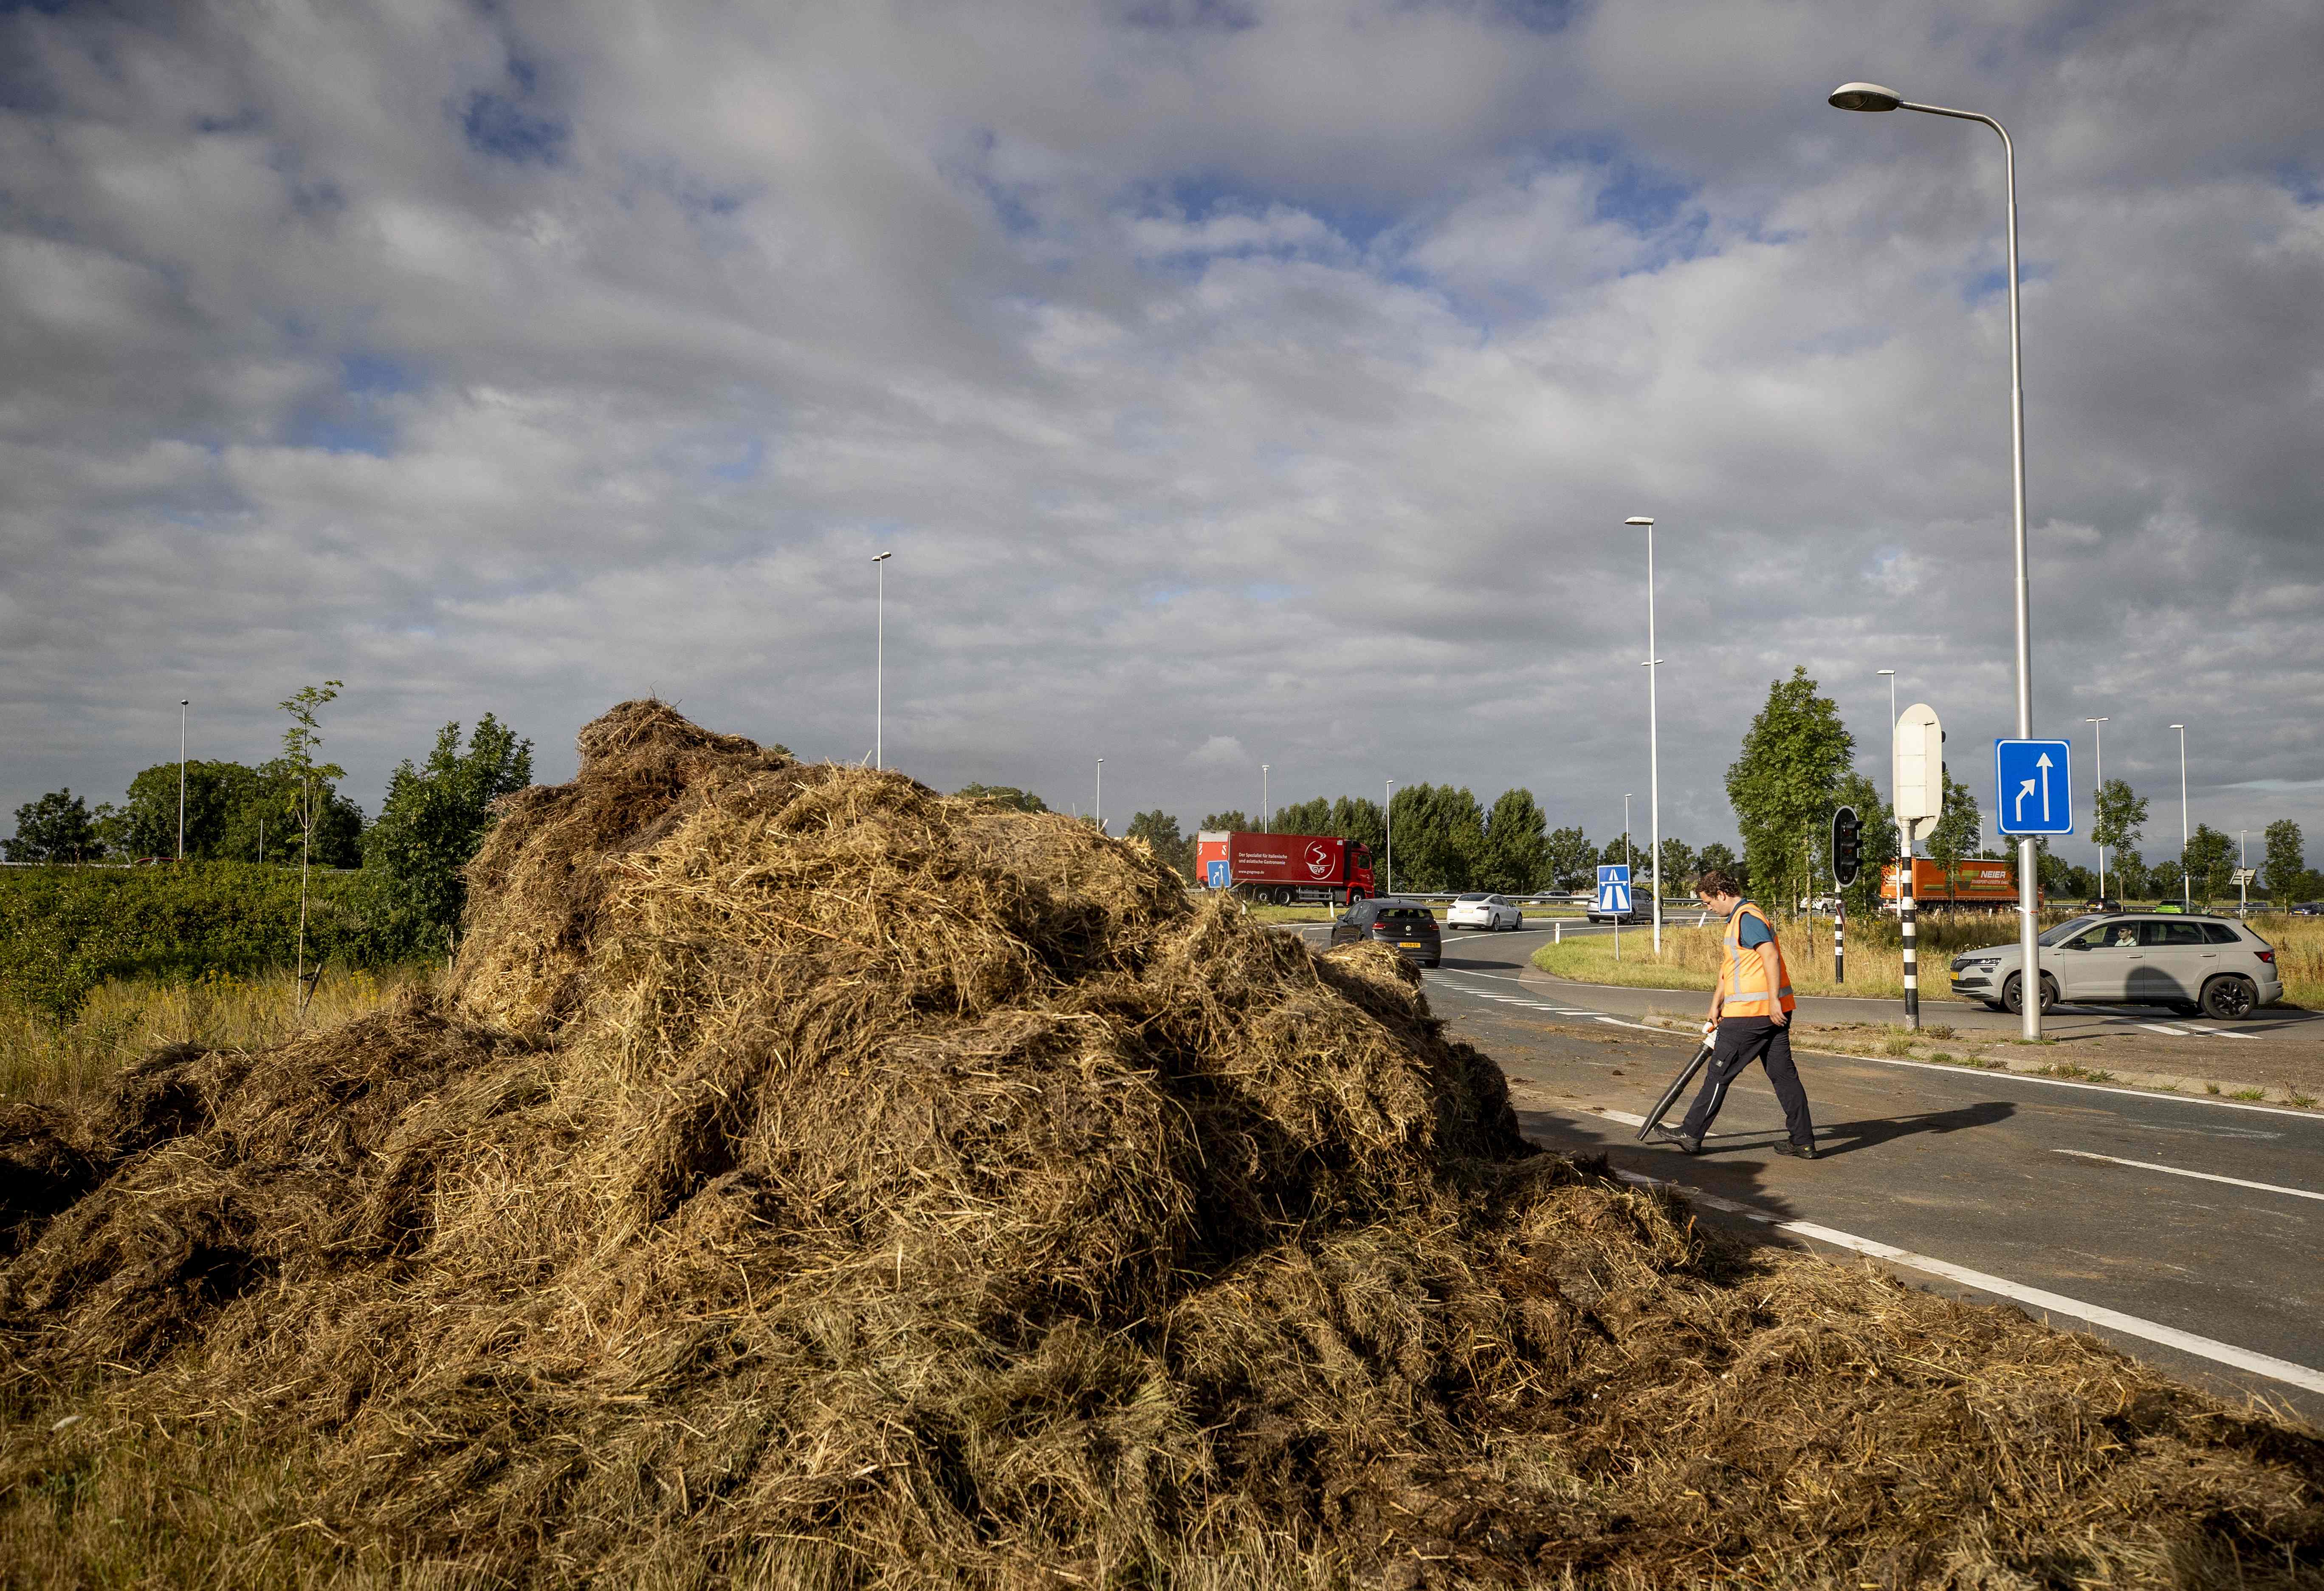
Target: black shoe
1672, 1135
1798, 1151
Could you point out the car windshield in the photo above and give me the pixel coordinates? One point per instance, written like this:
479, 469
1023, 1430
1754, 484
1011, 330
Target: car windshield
1471, 897
2066, 931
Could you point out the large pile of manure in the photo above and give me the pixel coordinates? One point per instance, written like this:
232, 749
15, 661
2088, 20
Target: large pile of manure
809, 1179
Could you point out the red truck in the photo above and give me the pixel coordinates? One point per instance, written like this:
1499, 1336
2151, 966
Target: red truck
1980, 886
1285, 867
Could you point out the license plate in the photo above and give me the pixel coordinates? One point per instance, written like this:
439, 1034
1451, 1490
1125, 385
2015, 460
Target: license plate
1407, 944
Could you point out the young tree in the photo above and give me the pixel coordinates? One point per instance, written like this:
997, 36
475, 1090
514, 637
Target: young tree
1570, 858
1159, 830
1960, 832
2286, 861
1516, 858
1878, 847
55, 828
2209, 864
436, 815
2119, 818
1783, 786
310, 800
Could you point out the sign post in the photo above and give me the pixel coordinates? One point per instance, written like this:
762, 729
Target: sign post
1847, 859
1918, 770
1614, 896
2033, 796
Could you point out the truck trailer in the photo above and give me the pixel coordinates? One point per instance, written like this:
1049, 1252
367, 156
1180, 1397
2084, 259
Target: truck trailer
1284, 868
1974, 886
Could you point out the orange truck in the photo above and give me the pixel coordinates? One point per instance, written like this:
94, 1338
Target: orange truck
1977, 886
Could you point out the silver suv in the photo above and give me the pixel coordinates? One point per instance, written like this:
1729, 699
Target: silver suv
2207, 966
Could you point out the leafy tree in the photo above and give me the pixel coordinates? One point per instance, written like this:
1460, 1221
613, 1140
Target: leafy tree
1159, 830
1620, 851
1516, 856
1439, 836
2119, 817
55, 828
1960, 832
2126, 875
2286, 861
1878, 848
1679, 865
1360, 819
1570, 858
2208, 863
436, 815
1007, 795
1303, 817
1716, 855
1234, 823
1784, 785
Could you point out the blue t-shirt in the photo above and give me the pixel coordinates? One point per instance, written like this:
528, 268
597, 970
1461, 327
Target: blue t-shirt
1751, 932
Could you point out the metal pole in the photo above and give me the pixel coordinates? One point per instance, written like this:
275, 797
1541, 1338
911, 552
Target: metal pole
2098, 733
1654, 753
1911, 947
1626, 862
2242, 890
879, 666
1099, 805
2186, 889
184, 703
1266, 824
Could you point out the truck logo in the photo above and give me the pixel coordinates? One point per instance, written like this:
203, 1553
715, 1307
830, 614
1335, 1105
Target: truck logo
1319, 859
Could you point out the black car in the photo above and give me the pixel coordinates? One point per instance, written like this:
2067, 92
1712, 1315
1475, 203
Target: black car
1407, 925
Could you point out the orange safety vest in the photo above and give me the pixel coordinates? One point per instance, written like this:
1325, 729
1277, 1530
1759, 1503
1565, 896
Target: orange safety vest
1743, 976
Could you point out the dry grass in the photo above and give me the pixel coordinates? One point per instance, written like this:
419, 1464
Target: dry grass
808, 1180
44, 1062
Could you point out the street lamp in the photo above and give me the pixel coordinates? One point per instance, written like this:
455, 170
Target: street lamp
1099, 808
1654, 750
1872, 97
2186, 890
879, 665
1265, 826
184, 703
1388, 809
2098, 733
2242, 887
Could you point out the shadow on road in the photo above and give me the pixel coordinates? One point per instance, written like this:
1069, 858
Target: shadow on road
1849, 1137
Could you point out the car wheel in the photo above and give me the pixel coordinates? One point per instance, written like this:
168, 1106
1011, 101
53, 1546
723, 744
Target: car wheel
1995, 1005
2013, 994
2230, 998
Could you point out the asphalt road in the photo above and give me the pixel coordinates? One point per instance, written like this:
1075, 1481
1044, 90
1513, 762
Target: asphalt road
2189, 1232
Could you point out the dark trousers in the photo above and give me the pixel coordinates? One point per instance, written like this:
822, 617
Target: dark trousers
1743, 1039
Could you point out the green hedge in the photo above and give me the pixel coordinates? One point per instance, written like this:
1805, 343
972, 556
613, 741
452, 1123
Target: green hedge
63, 930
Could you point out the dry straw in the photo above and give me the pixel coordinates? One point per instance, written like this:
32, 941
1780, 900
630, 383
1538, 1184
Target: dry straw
812, 1180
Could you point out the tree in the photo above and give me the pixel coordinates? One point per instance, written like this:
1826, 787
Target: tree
55, 828
1007, 795
1304, 818
2119, 818
1783, 787
1960, 832
1159, 830
436, 815
1570, 858
1439, 836
2286, 861
1878, 847
2127, 874
1515, 857
1226, 823
310, 800
2208, 863
1679, 866
1715, 856
1360, 820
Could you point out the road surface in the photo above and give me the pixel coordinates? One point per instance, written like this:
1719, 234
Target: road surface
2188, 1231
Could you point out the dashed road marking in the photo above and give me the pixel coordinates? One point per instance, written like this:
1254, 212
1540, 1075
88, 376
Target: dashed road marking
2181, 1171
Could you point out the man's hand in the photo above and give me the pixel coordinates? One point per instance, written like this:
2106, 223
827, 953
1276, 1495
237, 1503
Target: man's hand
1783, 1019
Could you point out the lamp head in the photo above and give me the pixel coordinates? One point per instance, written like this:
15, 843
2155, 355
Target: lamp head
882, 557
1888, 671
2181, 727
185, 701
1865, 96
1637, 519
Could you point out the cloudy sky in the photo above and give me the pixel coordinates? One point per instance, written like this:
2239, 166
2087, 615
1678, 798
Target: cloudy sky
1234, 381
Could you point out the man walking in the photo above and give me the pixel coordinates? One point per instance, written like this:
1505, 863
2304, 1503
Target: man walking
1751, 1010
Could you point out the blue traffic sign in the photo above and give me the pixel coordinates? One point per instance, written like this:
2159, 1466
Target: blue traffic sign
2033, 787
1614, 888
1217, 879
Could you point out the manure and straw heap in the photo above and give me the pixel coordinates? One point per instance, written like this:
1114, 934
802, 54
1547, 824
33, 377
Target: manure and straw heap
807, 1178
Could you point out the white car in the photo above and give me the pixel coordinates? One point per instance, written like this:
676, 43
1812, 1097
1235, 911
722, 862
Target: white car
1485, 911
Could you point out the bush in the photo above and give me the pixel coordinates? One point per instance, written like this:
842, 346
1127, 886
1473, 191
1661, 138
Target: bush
64, 930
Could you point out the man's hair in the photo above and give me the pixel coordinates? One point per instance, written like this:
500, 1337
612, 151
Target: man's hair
1718, 880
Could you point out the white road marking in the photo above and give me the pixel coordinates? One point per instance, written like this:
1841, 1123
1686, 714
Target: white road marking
2180, 1171
2156, 1027
2223, 1033
2171, 1336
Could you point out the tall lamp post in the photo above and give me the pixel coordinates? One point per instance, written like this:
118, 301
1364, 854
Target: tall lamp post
1098, 811
1265, 825
184, 703
1388, 811
1653, 745
2097, 736
879, 665
2186, 889
1872, 97
2242, 888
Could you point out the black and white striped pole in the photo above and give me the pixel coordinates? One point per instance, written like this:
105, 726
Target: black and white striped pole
1919, 770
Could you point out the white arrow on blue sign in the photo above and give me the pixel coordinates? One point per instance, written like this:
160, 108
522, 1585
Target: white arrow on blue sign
2034, 786
1614, 888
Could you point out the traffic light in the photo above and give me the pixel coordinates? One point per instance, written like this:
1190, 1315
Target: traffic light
1847, 846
